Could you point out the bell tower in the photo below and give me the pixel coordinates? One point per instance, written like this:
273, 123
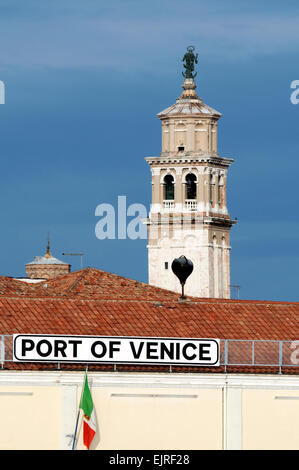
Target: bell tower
189, 215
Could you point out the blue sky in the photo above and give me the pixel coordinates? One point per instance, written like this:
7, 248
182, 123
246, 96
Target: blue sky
84, 81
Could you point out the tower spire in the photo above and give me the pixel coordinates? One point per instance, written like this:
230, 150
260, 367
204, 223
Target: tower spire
48, 252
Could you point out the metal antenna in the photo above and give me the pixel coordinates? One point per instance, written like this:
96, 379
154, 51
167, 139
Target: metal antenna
76, 254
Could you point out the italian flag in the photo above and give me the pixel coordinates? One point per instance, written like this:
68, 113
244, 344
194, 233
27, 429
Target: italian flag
89, 421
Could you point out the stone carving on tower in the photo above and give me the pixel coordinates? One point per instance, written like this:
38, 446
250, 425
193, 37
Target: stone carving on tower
189, 214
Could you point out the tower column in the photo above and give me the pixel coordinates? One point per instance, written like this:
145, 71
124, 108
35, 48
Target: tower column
171, 137
179, 191
156, 201
190, 137
200, 190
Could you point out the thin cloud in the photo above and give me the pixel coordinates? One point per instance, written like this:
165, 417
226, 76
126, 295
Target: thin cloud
119, 38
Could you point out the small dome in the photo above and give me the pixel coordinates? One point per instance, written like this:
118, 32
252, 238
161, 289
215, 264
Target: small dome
46, 267
189, 103
45, 260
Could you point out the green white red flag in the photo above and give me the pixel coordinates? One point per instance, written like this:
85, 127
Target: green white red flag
89, 421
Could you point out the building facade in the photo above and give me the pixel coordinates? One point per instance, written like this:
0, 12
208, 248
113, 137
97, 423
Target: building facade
150, 411
189, 214
249, 401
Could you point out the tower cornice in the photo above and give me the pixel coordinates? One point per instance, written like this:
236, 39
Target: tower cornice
194, 159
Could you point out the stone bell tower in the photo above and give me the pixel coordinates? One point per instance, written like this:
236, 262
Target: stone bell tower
189, 214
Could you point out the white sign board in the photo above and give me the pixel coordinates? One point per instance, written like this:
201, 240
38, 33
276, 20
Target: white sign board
116, 350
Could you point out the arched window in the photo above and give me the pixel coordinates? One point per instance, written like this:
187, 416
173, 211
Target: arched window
190, 186
168, 188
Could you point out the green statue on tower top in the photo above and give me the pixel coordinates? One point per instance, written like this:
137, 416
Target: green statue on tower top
190, 58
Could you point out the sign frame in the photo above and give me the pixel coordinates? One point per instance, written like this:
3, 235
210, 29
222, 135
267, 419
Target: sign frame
112, 361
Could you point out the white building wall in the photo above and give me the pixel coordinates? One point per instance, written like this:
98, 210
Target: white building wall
211, 273
151, 410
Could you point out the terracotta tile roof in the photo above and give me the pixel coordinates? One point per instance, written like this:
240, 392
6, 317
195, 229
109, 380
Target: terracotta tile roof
93, 302
12, 287
93, 283
224, 320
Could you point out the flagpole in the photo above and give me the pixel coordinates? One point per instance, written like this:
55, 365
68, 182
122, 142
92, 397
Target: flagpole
75, 434
77, 420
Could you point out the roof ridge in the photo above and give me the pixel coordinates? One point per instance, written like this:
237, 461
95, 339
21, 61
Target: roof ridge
58, 278
78, 279
190, 301
104, 285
